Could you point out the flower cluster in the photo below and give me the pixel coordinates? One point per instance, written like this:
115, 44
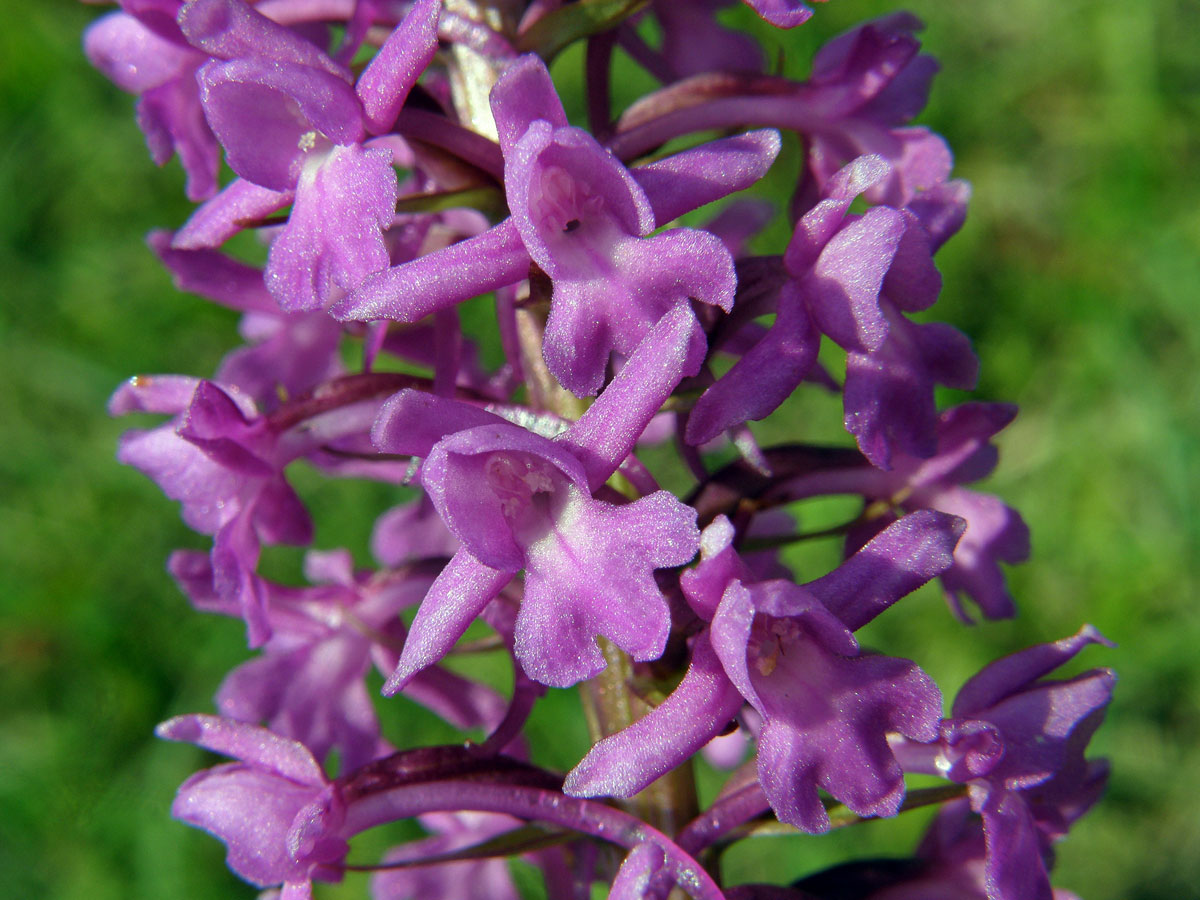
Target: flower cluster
403, 158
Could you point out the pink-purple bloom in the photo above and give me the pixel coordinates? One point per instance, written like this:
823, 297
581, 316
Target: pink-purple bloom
493, 309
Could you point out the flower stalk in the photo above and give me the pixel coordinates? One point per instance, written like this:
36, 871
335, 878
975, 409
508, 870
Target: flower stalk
601, 502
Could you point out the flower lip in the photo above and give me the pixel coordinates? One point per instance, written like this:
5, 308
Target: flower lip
572, 199
500, 488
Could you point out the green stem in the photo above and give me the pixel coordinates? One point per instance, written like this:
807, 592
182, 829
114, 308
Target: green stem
611, 704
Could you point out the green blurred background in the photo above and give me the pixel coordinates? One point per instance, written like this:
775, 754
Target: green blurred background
1077, 276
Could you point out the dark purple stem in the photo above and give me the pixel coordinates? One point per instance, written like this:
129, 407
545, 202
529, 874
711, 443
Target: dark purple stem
599, 89
525, 694
440, 132
722, 817
533, 804
788, 112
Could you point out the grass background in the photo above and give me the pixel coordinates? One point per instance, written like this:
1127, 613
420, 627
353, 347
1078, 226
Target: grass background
1077, 275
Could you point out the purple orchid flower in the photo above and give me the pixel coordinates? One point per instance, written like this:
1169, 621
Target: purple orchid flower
838, 269
585, 221
142, 51
292, 122
788, 650
284, 822
865, 85
309, 683
1018, 744
542, 514
252, 805
224, 462
518, 500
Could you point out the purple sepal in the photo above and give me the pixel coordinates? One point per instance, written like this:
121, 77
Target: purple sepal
164, 394
843, 286
458, 595
941, 210
157, 15
232, 29
184, 473
333, 239
390, 75
1020, 671
235, 555
439, 280
699, 708
161, 70
412, 422
995, 533
213, 275
637, 873
172, 118
249, 744
251, 806
607, 432
764, 377
132, 56
218, 426
523, 95
901, 558
219, 219
691, 178
269, 114
889, 393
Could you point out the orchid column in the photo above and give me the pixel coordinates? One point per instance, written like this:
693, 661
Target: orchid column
406, 161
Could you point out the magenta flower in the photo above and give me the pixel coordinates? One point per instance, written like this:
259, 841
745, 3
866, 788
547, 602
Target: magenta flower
291, 121
518, 500
253, 805
401, 160
838, 268
1018, 743
585, 221
788, 650
143, 52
